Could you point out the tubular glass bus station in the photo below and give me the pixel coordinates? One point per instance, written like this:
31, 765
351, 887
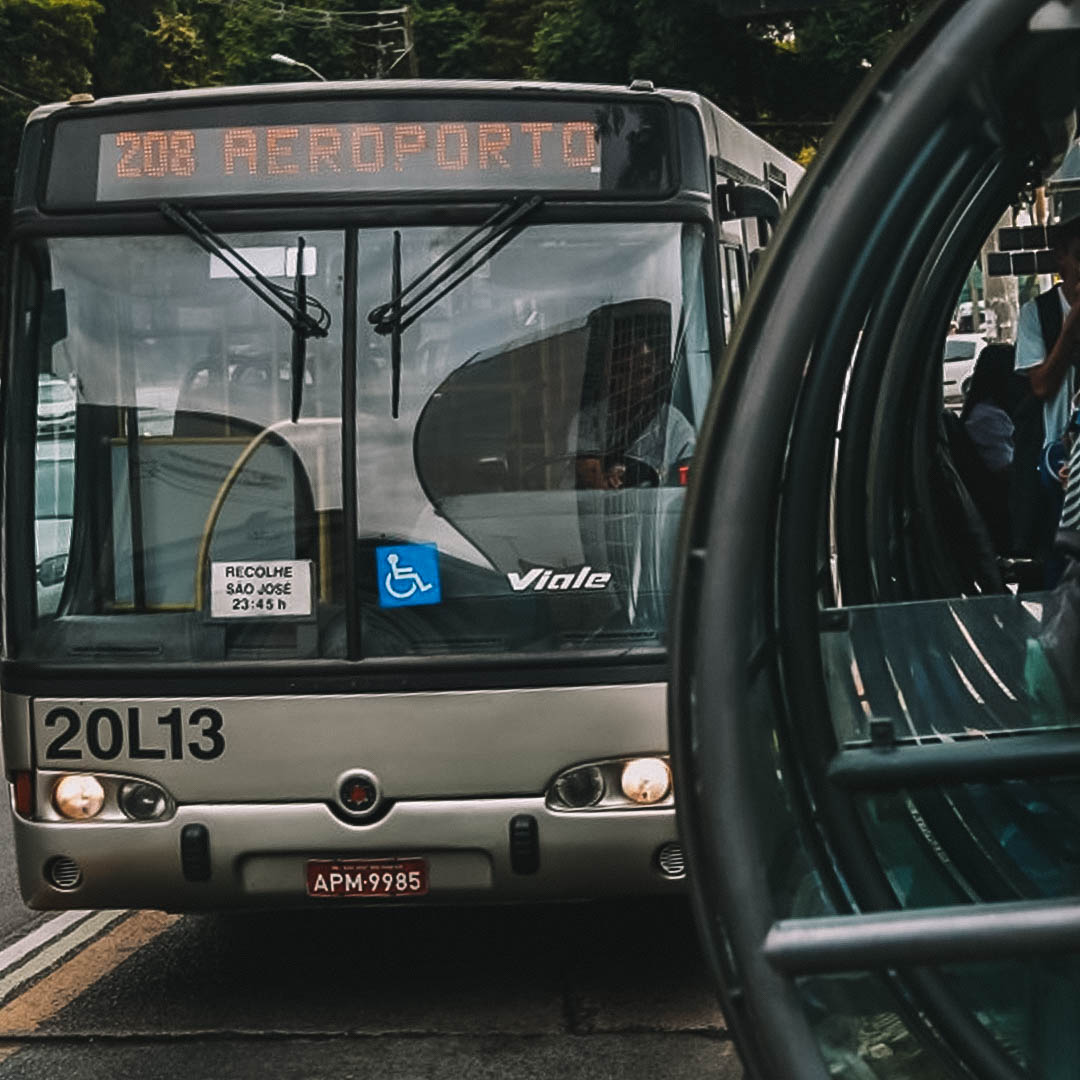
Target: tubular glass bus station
876, 761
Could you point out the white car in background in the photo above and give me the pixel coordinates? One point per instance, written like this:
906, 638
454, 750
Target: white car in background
961, 352
55, 404
54, 499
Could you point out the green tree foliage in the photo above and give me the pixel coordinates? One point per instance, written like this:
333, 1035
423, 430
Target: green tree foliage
120, 59
590, 40
851, 35
447, 39
179, 52
832, 49
490, 39
46, 49
789, 79
745, 68
333, 36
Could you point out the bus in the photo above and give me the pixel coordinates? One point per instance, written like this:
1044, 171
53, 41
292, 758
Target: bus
875, 704
353, 530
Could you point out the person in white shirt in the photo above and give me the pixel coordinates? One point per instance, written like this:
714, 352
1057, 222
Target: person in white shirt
1048, 352
633, 435
1051, 371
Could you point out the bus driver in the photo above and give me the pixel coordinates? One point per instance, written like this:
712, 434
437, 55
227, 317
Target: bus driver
634, 435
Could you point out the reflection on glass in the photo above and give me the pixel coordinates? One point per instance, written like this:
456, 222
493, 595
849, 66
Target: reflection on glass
1026, 1007
54, 498
161, 448
1008, 840
736, 276
549, 407
860, 1032
548, 420
967, 667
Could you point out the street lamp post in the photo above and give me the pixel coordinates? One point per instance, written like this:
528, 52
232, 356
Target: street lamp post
281, 58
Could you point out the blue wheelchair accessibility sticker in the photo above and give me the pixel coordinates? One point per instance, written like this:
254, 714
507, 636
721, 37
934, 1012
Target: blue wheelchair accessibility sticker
408, 575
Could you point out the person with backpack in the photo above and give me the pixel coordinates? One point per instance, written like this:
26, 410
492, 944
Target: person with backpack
983, 447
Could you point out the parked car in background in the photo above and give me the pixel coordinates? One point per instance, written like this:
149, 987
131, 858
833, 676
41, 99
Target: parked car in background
55, 404
961, 352
54, 497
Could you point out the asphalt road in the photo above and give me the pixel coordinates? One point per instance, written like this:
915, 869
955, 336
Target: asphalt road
570, 991
14, 918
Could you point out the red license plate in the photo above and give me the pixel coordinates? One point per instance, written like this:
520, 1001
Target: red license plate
362, 878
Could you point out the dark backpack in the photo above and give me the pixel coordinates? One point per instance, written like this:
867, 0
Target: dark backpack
1025, 497
962, 525
989, 490
1051, 317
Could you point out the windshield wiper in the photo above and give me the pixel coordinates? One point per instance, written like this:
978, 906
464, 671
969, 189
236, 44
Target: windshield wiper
484, 242
293, 305
462, 260
299, 337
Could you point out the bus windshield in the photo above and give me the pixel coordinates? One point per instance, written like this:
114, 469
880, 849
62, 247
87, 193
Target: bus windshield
526, 499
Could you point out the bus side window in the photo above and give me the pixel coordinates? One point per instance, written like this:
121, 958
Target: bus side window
734, 276
726, 306
727, 309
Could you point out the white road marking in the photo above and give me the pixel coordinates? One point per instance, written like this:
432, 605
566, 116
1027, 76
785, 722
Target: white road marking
79, 927
48, 930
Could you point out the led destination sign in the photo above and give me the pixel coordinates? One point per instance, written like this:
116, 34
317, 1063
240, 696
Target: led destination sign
347, 157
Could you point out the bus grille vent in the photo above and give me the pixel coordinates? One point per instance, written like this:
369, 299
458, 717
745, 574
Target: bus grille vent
63, 872
670, 860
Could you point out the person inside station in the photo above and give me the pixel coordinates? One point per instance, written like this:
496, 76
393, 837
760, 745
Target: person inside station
1048, 352
633, 436
984, 455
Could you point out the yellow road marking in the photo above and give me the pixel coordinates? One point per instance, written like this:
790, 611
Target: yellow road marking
27, 1012
55, 951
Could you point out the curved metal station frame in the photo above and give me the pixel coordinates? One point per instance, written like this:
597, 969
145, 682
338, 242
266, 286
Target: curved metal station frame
970, 108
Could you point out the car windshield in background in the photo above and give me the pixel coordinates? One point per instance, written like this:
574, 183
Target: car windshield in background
959, 348
55, 488
52, 391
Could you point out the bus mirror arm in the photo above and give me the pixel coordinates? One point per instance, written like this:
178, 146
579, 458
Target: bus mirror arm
746, 200
54, 325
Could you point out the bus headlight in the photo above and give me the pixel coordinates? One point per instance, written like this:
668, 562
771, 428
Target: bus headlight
646, 780
78, 796
625, 783
580, 787
142, 801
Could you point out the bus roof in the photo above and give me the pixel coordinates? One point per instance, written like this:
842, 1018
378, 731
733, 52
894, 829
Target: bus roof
210, 95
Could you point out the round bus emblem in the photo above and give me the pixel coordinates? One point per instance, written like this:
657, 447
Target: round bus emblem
358, 792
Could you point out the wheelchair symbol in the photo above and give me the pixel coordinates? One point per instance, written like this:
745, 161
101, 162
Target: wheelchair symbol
398, 574
408, 574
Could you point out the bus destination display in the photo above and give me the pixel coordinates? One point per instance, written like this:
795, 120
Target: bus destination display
271, 159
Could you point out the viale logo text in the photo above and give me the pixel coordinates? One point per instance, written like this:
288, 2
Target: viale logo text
540, 580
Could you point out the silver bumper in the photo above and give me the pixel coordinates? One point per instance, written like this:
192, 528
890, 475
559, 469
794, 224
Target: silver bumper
258, 854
